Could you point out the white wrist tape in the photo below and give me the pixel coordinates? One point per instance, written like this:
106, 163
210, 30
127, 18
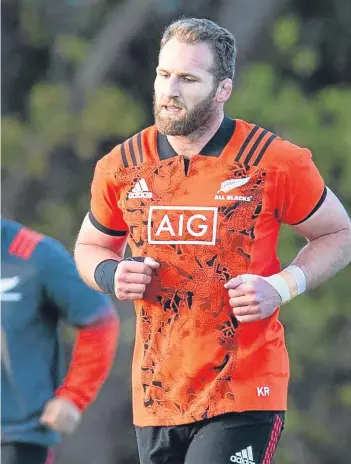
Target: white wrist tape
277, 282
299, 276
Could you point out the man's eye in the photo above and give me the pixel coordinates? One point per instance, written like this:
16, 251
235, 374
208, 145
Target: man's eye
164, 75
188, 79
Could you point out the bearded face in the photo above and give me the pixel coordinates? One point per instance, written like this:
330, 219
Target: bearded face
185, 88
174, 118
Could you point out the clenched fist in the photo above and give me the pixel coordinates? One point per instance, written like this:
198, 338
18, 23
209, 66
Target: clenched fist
132, 277
61, 415
252, 298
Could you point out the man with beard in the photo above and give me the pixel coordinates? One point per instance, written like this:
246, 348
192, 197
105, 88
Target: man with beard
201, 198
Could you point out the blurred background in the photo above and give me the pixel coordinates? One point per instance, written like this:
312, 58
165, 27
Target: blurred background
77, 79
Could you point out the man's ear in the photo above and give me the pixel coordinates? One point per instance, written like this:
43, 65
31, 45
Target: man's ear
224, 90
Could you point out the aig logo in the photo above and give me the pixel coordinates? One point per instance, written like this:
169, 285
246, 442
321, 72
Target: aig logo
182, 224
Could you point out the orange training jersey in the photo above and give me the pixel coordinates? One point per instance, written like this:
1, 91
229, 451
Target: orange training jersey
205, 222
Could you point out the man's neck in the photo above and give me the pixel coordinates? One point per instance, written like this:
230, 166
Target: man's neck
194, 143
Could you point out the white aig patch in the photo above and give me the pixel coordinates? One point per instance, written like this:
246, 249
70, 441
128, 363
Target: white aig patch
182, 224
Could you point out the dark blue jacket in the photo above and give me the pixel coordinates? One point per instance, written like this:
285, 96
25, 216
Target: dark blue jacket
39, 287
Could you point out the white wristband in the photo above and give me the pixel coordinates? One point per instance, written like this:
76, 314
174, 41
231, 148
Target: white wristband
299, 276
277, 281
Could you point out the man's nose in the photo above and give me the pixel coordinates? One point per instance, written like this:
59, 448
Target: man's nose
171, 89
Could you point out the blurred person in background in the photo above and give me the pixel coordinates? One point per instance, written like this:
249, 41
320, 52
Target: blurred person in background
201, 198
40, 287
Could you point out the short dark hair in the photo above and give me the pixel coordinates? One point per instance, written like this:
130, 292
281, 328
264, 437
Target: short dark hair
221, 41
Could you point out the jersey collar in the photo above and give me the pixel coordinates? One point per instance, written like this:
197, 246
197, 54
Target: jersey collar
214, 147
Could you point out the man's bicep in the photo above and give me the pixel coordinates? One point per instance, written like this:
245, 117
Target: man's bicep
330, 217
89, 234
301, 188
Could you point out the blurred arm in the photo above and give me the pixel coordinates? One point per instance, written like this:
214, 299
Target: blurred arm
94, 318
91, 362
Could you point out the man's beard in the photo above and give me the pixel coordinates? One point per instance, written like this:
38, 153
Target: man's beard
195, 120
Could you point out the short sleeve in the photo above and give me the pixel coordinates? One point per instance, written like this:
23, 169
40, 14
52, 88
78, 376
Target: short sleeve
104, 212
301, 188
75, 302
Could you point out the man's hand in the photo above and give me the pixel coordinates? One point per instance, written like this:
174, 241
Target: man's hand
132, 277
252, 299
61, 415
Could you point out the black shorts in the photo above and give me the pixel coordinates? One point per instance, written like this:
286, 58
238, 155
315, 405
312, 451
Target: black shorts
243, 438
24, 453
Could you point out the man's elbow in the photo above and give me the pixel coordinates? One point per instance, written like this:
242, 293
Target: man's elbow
342, 244
346, 234
109, 317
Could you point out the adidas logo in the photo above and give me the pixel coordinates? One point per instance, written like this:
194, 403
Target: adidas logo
140, 190
244, 456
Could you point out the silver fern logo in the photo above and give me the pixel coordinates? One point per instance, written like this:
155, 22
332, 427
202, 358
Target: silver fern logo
231, 184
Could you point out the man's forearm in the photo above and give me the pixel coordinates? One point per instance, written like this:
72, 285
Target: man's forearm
323, 257
87, 257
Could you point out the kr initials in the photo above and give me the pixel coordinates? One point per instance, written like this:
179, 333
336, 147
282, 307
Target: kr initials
262, 391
